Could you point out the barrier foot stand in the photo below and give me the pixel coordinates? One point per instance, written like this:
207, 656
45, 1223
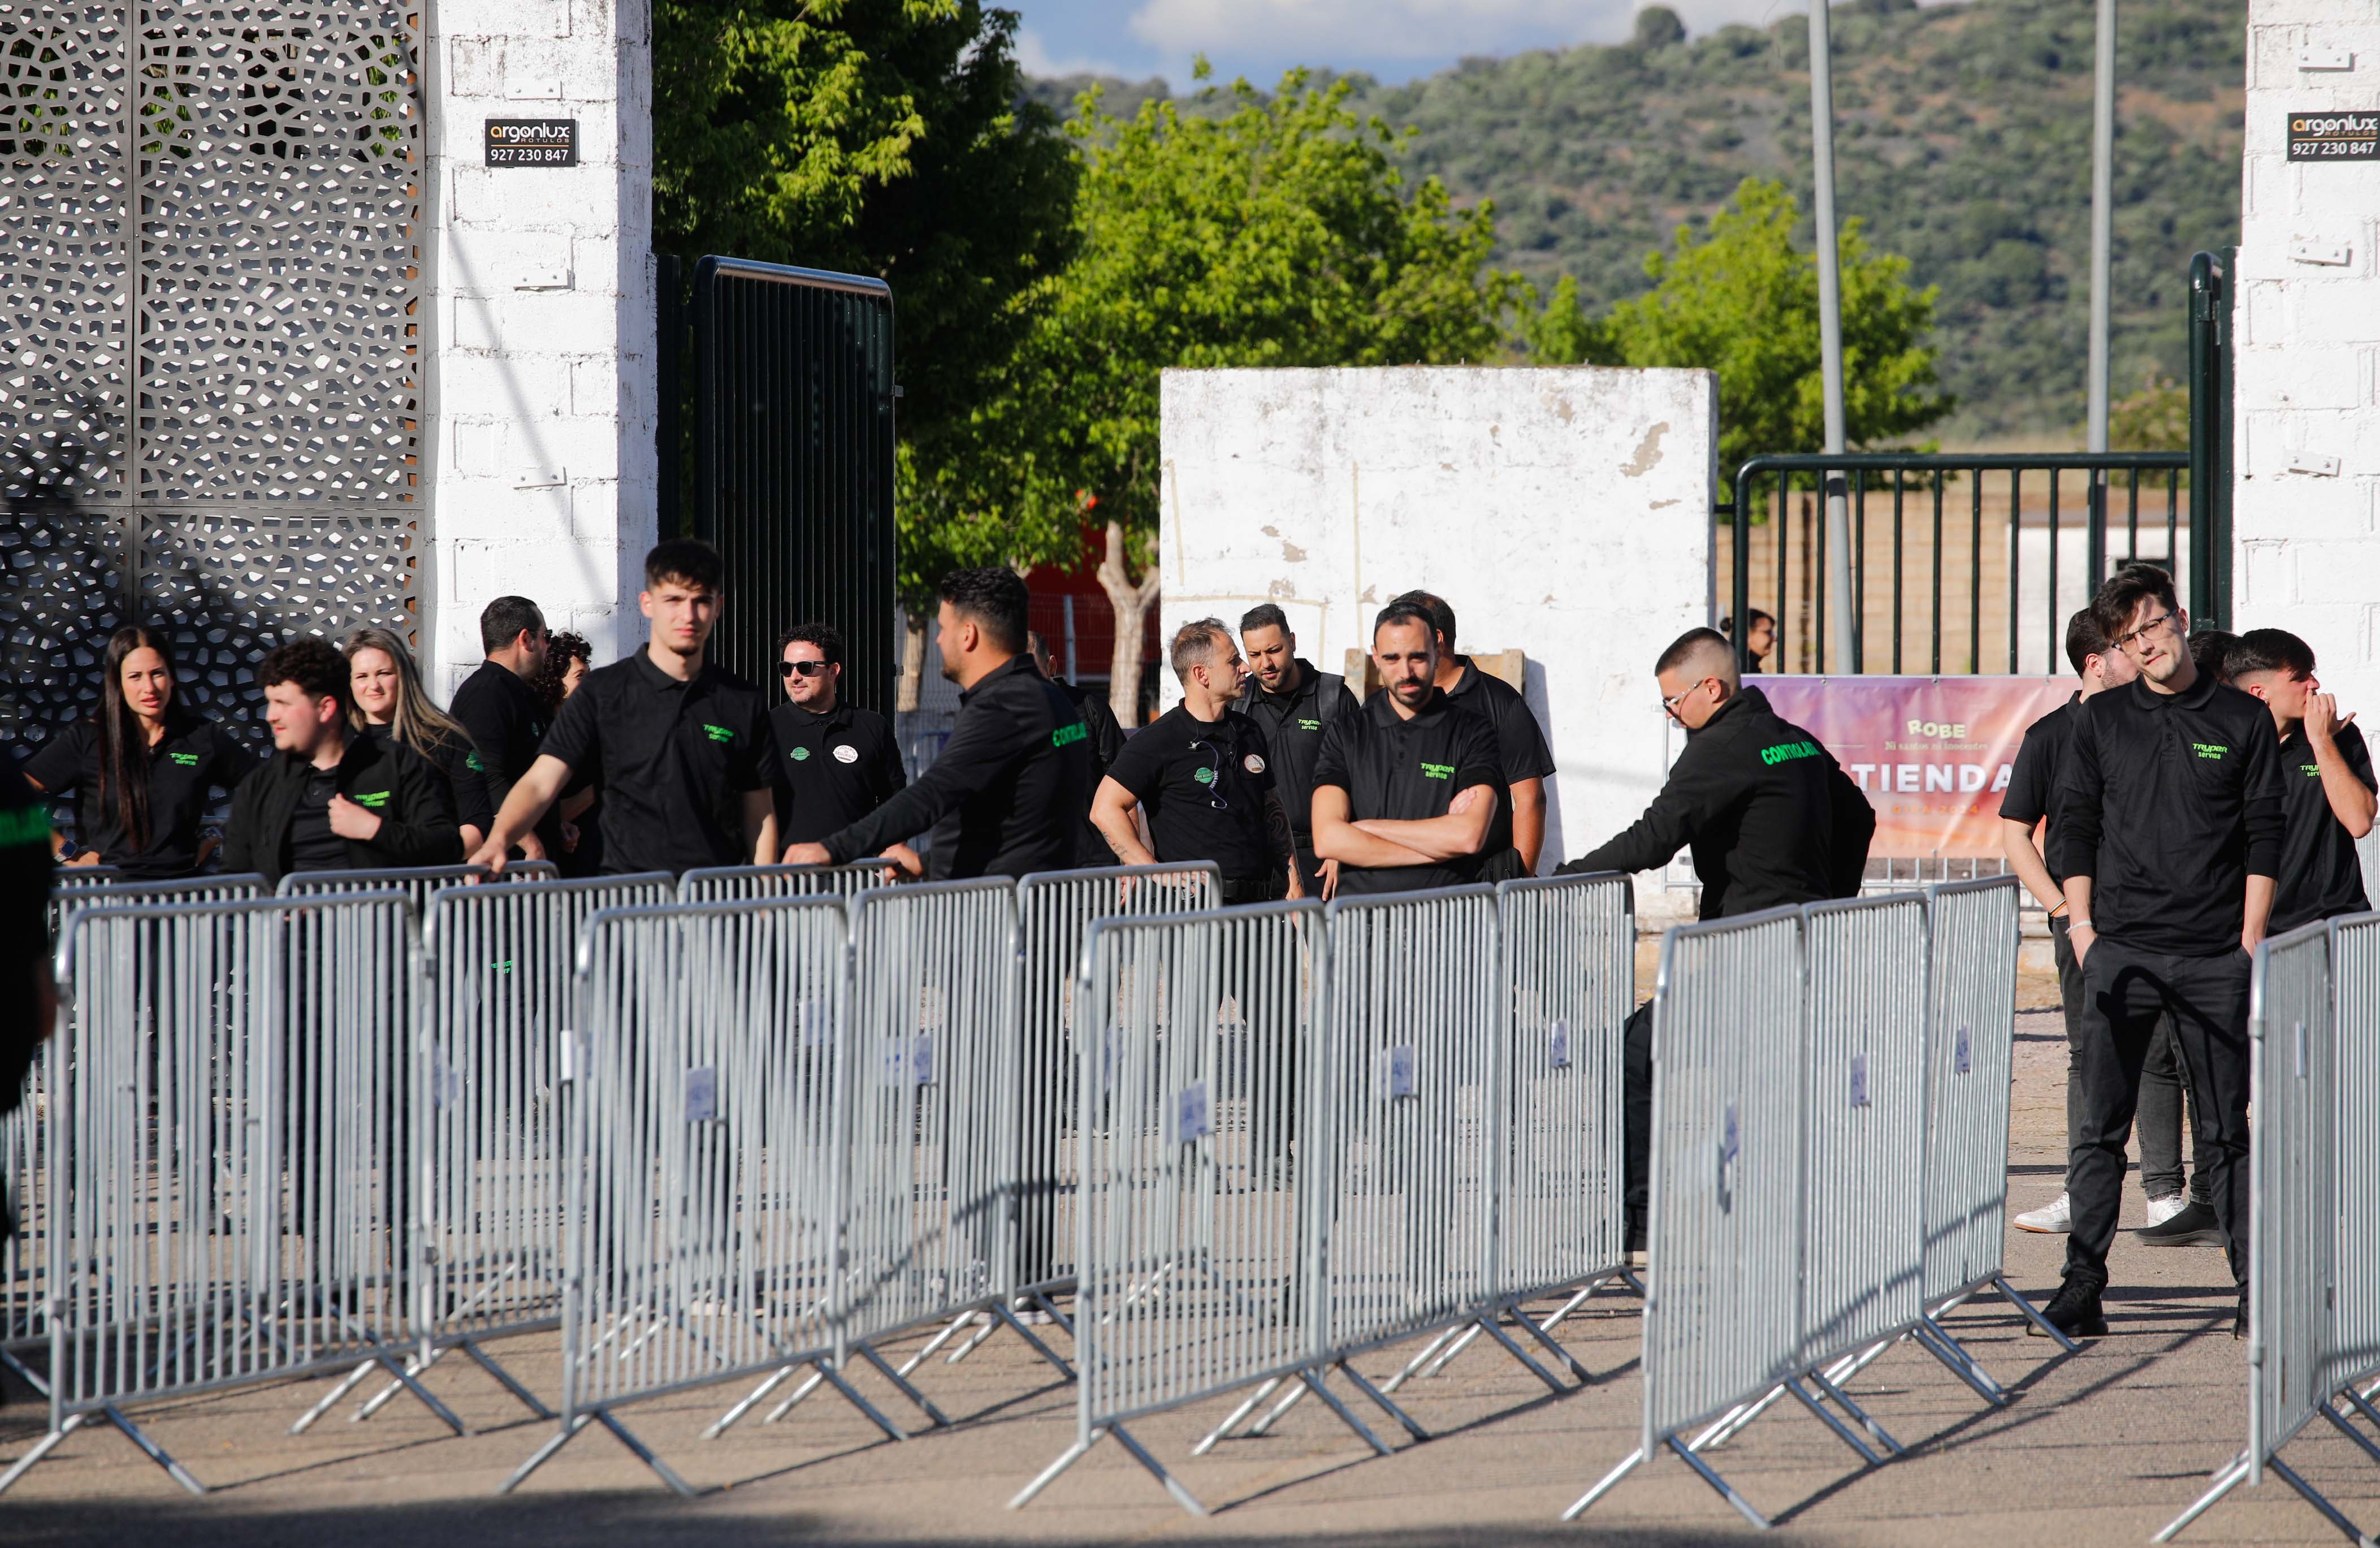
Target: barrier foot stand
1843, 1432
1415, 1364
379, 1400
1724, 1428
1628, 1464
1528, 1363
1048, 1475
990, 1325
1543, 1335
768, 1383
445, 1415
1057, 1317
2228, 1479
810, 1384
1346, 1416
570, 1431
1462, 1341
933, 1345
1709, 1475
2032, 1314
1629, 1277
42, 1448
1844, 1400
1182, 1496
2313, 1496
1248, 1406
884, 1367
2370, 1447
1934, 1341
1380, 1399
24, 1372
1577, 1300
851, 1396
504, 1379
1266, 1424
1001, 1311
347, 1385
2363, 1403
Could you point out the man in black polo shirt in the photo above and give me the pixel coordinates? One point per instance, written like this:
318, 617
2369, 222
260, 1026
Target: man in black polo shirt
1405, 789
1292, 705
837, 762
1107, 741
683, 745
506, 721
1007, 795
2327, 779
1518, 834
1203, 776
330, 799
28, 998
2170, 836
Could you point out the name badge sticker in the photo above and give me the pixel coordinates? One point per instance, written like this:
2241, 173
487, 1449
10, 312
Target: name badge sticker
1396, 1072
1960, 1051
1858, 1081
1193, 1115
1557, 1045
702, 1094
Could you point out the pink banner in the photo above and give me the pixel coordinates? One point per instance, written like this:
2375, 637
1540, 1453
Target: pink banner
1933, 753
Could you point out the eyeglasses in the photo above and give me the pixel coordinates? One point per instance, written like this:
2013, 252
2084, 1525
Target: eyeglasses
2128, 640
1671, 703
806, 668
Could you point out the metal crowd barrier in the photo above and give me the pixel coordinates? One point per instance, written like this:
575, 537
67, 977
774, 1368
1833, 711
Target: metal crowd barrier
703, 1179
24, 1316
2313, 1309
486, 1079
721, 883
419, 884
1196, 1227
227, 1172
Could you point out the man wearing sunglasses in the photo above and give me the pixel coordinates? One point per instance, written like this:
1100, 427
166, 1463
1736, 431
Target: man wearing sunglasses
2170, 836
837, 762
1772, 820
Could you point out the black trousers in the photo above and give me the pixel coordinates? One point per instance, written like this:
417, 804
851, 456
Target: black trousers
1309, 866
1636, 1117
2163, 1092
2126, 992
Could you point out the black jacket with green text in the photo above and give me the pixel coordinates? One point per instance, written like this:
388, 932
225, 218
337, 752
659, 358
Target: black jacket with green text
1771, 816
417, 827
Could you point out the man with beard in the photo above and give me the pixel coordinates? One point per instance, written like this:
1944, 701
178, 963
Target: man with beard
1292, 704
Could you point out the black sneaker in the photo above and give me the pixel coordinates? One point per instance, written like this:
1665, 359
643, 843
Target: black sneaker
1635, 1244
2073, 1311
2239, 1320
2195, 1226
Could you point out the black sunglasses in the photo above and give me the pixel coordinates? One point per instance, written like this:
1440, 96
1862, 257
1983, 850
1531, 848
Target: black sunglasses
806, 668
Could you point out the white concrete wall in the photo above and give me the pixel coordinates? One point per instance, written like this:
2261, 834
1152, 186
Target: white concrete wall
2306, 553
1562, 512
541, 444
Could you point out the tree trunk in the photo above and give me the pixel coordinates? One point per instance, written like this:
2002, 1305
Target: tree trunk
913, 662
1131, 601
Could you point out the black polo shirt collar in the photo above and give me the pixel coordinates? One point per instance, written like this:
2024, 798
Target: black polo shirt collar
1309, 683
1019, 665
2194, 697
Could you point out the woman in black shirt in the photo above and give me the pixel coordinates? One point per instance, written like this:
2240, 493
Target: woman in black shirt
141, 771
384, 687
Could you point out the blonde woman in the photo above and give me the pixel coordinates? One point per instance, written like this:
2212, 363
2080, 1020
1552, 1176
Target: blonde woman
386, 688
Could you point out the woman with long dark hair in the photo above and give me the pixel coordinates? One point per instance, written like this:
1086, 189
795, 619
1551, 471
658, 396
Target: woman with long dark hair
140, 771
568, 659
384, 687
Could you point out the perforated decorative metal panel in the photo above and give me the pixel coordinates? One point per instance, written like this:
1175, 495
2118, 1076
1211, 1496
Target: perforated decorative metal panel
211, 289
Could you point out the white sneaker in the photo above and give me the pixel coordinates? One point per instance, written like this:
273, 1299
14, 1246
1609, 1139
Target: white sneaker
2054, 1217
2164, 1209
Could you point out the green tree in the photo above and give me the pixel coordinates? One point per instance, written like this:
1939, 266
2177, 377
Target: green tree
1250, 231
1742, 300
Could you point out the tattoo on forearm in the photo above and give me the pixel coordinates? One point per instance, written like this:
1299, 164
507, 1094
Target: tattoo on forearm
1116, 845
1284, 847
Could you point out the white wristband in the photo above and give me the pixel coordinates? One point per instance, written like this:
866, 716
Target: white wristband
2073, 925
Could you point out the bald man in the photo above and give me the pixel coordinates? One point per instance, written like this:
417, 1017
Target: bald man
1771, 817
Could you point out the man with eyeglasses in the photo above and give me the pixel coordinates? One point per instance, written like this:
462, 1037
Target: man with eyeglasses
1201, 774
2169, 837
837, 762
1771, 818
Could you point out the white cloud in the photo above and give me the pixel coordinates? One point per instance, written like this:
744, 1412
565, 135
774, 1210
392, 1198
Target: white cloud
1327, 30
1037, 60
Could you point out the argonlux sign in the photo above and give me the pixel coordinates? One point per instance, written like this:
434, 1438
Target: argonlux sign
532, 142
2335, 137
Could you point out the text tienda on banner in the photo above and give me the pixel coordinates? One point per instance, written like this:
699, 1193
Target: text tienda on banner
1933, 753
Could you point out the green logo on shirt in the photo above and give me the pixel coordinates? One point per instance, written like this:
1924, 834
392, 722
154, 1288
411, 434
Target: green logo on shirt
1204, 776
2209, 749
471, 762
1309, 726
1438, 770
717, 732
1785, 753
800, 755
372, 798
1067, 736
28, 824
186, 760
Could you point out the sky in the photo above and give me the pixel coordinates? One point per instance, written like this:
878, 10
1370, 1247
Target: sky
1395, 39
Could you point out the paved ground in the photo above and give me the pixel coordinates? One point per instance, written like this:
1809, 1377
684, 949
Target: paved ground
2098, 1448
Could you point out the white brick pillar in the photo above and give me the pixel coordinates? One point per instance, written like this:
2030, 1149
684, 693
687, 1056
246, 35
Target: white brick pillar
2304, 524
541, 450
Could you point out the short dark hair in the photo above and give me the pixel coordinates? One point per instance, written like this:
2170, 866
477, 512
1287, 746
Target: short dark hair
826, 637
2126, 590
2268, 650
315, 665
1726, 624
688, 560
2084, 639
1685, 646
2210, 649
1264, 615
1194, 644
1402, 611
995, 597
1441, 616
505, 620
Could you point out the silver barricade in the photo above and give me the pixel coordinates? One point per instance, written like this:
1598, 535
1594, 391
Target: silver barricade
1196, 1237
486, 1237
2314, 1312
72, 879
718, 883
24, 1317
227, 1179
1723, 1233
417, 883
704, 1116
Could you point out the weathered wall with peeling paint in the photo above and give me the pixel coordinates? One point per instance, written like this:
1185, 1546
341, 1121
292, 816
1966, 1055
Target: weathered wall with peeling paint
1563, 512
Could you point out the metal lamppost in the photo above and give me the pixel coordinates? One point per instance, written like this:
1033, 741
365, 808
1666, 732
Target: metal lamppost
1842, 627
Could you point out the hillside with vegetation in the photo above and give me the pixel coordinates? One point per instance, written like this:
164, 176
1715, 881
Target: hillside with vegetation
1963, 143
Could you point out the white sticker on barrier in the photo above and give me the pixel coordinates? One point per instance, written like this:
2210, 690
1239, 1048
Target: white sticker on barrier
1194, 1118
1730, 1140
910, 1065
1960, 1061
569, 1056
818, 1027
1396, 1073
445, 1083
1858, 1081
702, 1094
933, 1002
1557, 1045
